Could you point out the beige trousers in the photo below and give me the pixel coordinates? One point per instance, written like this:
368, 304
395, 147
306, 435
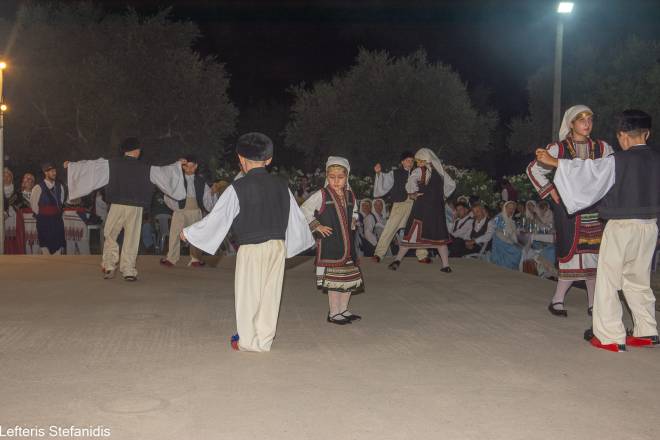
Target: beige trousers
182, 218
258, 290
397, 220
128, 218
624, 263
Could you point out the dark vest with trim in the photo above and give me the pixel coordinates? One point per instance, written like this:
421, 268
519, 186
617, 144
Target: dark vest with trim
476, 233
339, 247
264, 207
129, 183
200, 186
398, 192
636, 190
50, 201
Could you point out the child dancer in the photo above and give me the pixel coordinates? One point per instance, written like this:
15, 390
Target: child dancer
428, 185
332, 215
269, 227
626, 183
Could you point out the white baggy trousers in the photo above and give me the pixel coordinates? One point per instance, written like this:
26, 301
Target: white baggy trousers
624, 263
397, 220
258, 290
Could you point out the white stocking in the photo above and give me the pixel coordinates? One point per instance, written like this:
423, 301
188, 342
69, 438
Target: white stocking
560, 293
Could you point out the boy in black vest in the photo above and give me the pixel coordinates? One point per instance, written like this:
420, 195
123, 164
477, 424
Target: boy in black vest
268, 226
628, 183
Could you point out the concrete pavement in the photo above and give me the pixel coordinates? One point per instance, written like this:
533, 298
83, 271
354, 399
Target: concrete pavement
470, 355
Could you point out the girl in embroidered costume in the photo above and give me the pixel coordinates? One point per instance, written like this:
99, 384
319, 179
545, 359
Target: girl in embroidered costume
332, 215
579, 234
428, 185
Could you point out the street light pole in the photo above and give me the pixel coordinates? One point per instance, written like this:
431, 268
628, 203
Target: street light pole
563, 8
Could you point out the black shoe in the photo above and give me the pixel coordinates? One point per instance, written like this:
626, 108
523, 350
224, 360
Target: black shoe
344, 321
130, 278
556, 312
446, 269
350, 316
394, 265
590, 311
588, 334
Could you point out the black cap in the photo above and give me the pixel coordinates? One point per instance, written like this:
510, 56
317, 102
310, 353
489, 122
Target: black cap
255, 146
407, 154
629, 120
129, 144
47, 166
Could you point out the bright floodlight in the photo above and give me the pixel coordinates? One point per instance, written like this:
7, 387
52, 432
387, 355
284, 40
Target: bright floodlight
565, 7
3, 108
3, 65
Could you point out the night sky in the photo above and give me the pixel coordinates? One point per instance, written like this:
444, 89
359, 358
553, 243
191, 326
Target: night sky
270, 45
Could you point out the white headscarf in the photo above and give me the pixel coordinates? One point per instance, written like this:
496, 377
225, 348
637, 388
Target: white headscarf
429, 156
530, 212
509, 223
337, 160
384, 214
569, 115
370, 204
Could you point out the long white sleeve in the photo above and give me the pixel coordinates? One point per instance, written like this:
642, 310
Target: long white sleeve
412, 185
538, 173
581, 183
311, 205
449, 184
169, 179
85, 176
298, 236
208, 233
34, 199
490, 231
383, 183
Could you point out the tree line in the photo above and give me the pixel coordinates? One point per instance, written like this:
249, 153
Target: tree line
80, 79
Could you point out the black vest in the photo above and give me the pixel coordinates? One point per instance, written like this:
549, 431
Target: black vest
264, 207
339, 247
636, 190
478, 233
200, 186
129, 183
398, 192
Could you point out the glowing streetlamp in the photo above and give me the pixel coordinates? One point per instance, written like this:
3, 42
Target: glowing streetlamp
563, 8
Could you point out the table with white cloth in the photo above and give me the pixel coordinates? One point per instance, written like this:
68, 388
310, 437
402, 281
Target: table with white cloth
76, 231
31, 235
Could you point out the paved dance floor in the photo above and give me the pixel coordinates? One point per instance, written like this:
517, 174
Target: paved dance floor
469, 355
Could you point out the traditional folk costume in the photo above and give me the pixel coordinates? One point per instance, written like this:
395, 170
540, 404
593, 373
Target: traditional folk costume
337, 265
199, 202
129, 185
506, 251
393, 184
427, 224
578, 235
269, 227
373, 226
47, 202
628, 185
14, 227
481, 233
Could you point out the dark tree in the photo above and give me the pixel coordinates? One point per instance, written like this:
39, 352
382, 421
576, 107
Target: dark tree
384, 105
80, 80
